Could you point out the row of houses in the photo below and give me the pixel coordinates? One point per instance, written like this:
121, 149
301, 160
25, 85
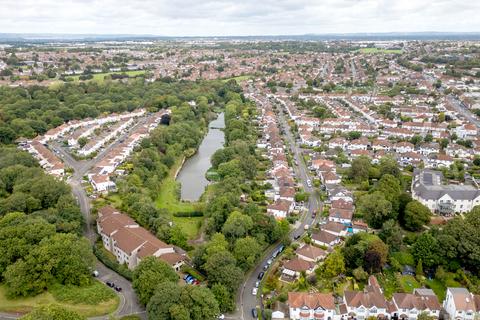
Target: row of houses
100, 175
130, 243
46, 158
459, 304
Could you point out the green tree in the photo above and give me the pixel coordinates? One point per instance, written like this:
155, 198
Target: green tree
221, 268
224, 298
426, 248
391, 189
237, 225
333, 266
149, 274
360, 274
388, 165
246, 251
416, 216
391, 234
360, 169
375, 209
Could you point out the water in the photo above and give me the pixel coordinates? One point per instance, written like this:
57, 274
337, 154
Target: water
192, 175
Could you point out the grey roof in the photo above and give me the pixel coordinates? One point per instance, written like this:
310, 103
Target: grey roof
427, 184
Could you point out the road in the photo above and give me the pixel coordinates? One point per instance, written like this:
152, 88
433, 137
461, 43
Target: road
246, 301
461, 109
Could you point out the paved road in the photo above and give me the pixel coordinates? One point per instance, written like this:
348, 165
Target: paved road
246, 301
461, 109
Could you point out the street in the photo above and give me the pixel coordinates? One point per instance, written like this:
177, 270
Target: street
246, 301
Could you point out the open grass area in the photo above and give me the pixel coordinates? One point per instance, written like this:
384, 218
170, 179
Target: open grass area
168, 198
88, 301
100, 77
377, 50
437, 287
239, 79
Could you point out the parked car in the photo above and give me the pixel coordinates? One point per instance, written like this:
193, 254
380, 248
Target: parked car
254, 313
269, 261
110, 284
118, 289
281, 248
257, 283
260, 275
254, 291
95, 273
296, 237
265, 267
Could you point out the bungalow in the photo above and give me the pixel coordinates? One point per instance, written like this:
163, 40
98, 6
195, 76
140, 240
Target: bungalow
324, 238
311, 253
293, 268
338, 215
316, 305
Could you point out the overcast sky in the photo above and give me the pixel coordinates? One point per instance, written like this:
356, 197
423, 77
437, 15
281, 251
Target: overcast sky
237, 17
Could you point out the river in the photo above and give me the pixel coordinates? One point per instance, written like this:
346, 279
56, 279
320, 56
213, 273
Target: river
192, 175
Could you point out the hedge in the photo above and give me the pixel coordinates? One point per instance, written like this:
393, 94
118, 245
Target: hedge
188, 214
104, 256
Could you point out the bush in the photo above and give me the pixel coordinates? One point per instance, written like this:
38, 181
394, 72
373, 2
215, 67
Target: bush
92, 294
190, 214
109, 260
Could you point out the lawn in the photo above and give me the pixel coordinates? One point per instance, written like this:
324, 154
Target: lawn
377, 50
168, 199
90, 301
239, 79
100, 77
408, 283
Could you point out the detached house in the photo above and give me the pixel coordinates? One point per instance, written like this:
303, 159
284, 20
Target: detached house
367, 303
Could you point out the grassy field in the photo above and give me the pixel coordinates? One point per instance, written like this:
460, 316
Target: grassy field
94, 300
239, 79
168, 199
377, 50
100, 77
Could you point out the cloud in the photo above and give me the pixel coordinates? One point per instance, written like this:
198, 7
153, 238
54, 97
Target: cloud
236, 17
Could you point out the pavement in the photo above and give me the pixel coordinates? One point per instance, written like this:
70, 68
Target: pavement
246, 301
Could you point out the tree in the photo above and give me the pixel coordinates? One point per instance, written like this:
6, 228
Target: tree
391, 234
426, 248
416, 216
391, 189
360, 274
246, 251
376, 255
225, 300
172, 302
375, 209
62, 258
221, 268
388, 165
51, 312
360, 169
237, 225
149, 274
82, 141
419, 268
425, 316
333, 266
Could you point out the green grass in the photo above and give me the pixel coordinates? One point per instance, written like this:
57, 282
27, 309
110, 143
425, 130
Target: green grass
377, 50
168, 199
239, 79
100, 77
87, 307
93, 294
408, 283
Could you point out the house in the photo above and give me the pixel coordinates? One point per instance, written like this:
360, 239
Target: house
293, 268
280, 208
445, 199
358, 144
410, 305
330, 177
324, 238
316, 305
102, 183
381, 144
338, 143
335, 228
311, 253
460, 304
338, 215
404, 147
368, 303
439, 160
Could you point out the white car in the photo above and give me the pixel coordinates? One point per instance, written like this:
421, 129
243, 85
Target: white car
254, 291
309, 183
257, 283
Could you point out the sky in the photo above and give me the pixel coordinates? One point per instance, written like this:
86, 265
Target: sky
237, 17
